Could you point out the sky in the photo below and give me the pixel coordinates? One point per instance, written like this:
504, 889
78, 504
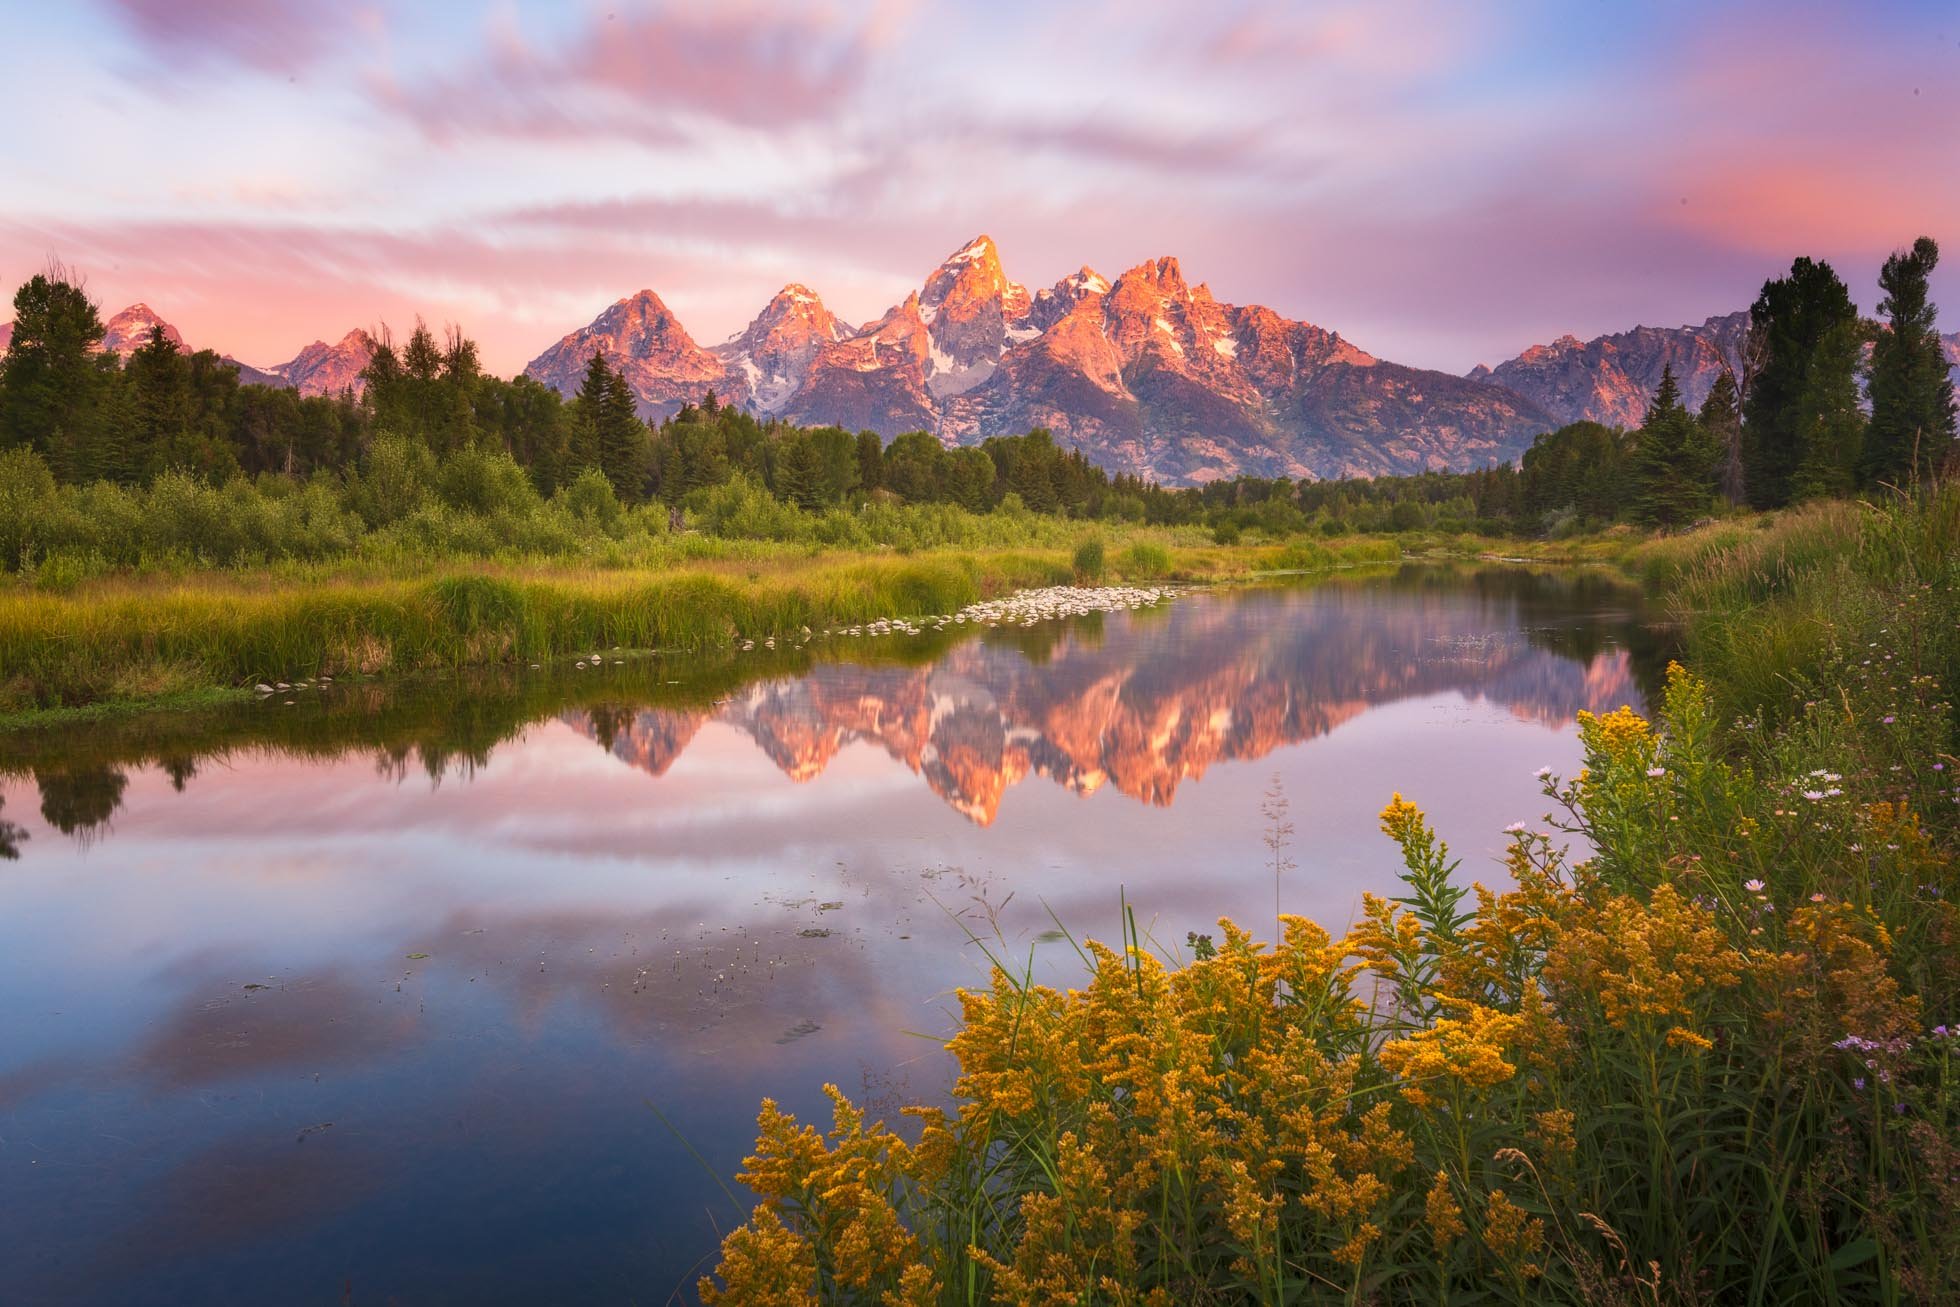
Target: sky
1442, 183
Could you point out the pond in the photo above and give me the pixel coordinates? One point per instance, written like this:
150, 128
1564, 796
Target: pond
468, 991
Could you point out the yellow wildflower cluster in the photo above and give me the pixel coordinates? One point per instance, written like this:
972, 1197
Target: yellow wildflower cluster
1454, 1053
1651, 967
1515, 1238
1434, 1102
839, 1188
1621, 737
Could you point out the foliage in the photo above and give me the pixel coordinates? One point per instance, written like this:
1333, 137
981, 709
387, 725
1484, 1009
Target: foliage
1673, 460
1912, 425
1714, 1061
1794, 426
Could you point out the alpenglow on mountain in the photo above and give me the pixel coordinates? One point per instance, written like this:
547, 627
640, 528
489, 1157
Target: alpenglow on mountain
1145, 374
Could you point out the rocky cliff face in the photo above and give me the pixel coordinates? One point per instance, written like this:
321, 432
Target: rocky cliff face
1610, 379
875, 379
1146, 374
645, 342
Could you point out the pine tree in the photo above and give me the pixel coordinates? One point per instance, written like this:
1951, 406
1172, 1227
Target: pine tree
1912, 422
588, 410
159, 381
870, 460
623, 452
49, 379
1801, 319
797, 474
1672, 460
1721, 419
1829, 425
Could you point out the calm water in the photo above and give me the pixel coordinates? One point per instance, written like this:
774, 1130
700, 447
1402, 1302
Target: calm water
365, 999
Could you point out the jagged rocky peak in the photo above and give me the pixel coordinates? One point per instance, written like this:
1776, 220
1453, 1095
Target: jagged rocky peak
130, 330
323, 369
1162, 275
770, 359
1053, 303
647, 344
970, 307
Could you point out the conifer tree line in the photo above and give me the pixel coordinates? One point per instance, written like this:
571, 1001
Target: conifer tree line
1818, 402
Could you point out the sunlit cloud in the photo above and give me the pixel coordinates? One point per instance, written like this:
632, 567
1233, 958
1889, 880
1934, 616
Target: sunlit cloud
1442, 186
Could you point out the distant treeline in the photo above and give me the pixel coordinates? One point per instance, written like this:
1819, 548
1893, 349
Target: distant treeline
1786, 421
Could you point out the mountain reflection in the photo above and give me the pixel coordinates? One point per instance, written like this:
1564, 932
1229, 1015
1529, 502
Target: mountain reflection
1139, 702
1151, 700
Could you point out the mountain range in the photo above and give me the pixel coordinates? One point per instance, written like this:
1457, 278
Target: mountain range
1145, 374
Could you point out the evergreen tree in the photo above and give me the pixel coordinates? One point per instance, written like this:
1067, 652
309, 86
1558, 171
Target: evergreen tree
50, 380
796, 473
1830, 426
1721, 419
1671, 460
588, 412
1912, 422
870, 460
970, 480
623, 453
1802, 320
454, 424
159, 382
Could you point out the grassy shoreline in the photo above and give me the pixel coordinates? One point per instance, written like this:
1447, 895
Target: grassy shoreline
143, 640
129, 643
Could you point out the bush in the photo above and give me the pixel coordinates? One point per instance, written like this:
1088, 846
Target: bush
396, 481
486, 483
591, 502
26, 494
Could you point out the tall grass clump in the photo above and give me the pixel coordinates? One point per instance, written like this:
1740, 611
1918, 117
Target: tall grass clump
1090, 560
1782, 615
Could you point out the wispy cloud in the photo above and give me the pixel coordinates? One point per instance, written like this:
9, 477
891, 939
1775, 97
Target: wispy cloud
1443, 185
268, 36
647, 76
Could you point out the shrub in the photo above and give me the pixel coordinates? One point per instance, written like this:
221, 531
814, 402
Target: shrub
591, 502
486, 483
26, 494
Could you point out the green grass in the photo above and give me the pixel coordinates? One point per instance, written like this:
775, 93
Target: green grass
137, 638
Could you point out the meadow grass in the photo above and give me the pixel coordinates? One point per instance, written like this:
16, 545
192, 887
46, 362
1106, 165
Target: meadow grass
133, 636
1714, 1060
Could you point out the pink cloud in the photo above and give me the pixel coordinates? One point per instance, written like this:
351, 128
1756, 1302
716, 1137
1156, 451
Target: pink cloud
639, 76
271, 36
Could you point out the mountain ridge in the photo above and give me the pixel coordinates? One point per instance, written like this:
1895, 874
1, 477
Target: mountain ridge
1147, 374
